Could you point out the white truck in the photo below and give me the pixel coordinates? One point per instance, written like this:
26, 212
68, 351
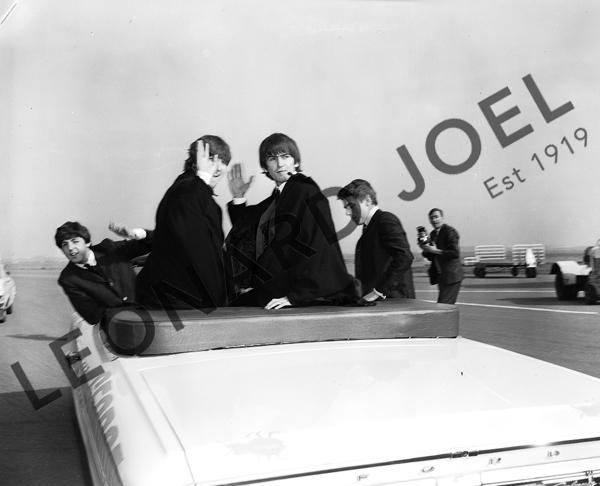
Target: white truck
386, 395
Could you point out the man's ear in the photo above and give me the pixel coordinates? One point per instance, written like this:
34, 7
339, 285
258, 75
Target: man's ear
88, 244
367, 199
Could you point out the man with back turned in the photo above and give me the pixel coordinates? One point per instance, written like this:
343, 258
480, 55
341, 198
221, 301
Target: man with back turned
383, 257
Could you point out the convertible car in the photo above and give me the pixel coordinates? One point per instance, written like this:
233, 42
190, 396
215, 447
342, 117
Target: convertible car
8, 291
386, 395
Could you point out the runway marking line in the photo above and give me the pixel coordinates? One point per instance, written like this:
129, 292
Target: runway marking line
514, 291
516, 307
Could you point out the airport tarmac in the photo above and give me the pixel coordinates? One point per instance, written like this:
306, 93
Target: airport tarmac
43, 447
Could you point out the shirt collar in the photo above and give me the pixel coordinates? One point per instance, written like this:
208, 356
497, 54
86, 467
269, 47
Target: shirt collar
372, 211
280, 187
205, 176
91, 260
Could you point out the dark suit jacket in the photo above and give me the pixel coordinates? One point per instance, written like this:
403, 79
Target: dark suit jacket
186, 264
383, 257
110, 284
303, 261
445, 268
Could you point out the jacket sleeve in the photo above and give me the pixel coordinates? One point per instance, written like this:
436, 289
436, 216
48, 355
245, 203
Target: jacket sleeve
132, 248
236, 212
85, 306
428, 256
451, 247
323, 272
395, 243
242, 214
191, 228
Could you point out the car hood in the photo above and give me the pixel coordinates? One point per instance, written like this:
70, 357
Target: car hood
284, 410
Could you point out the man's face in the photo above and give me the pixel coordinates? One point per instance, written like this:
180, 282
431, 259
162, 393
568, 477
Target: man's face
436, 219
210, 164
280, 167
75, 249
357, 210
217, 169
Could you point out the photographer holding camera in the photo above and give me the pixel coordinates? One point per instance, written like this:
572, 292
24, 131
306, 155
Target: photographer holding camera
442, 249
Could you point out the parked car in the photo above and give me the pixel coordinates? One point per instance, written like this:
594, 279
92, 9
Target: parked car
385, 395
573, 277
8, 292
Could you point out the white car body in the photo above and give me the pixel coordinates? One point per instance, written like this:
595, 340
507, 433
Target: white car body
422, 412
8, 292
571, 270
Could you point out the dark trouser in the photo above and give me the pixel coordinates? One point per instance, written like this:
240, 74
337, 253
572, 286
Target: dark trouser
253, 298
448, 292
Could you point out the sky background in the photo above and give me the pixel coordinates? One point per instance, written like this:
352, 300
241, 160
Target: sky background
100, 100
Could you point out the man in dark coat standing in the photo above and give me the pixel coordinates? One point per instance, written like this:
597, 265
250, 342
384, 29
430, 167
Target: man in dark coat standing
444, 253
99, 277
383, 257
186, 268
295, 258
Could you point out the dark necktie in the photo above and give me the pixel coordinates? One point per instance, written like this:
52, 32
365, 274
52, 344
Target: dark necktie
95, 269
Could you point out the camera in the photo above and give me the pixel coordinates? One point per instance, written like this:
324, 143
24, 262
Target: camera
423, 236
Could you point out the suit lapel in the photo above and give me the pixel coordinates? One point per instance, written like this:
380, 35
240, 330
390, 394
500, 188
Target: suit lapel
441, 236
83, 273
95, 275
369, 231
266, 225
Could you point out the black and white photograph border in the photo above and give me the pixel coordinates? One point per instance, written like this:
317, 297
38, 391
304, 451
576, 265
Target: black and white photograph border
487, 110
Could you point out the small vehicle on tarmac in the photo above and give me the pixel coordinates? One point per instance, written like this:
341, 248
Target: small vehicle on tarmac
524, 257
573, 277
384, 395
8, 292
